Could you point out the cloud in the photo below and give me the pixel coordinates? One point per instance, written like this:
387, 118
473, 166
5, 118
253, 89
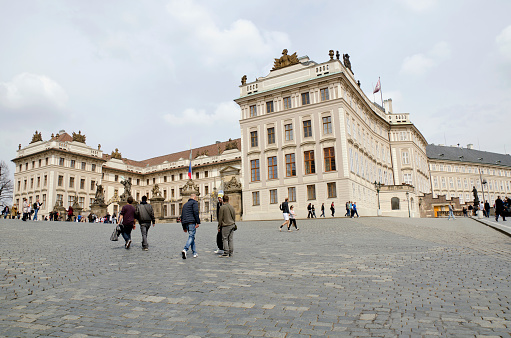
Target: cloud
225, 113
32, 90
420, 64
418, 5
504, 43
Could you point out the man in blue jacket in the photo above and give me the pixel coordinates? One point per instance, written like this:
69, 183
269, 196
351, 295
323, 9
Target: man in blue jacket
190, 222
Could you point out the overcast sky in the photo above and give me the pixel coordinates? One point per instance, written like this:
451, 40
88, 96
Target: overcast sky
145, 76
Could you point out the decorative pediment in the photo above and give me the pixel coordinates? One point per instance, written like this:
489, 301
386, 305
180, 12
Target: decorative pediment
285, 60
116, 154
36, 137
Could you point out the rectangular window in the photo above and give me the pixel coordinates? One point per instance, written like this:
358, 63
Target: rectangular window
329, 159
288, 129
82, 183
92, 185
269, 107
84, 165
71, 182
72, 164
61, 161
60, 180
273, 196
31, 183
172, 193
255, 198
180, 177
40, 163
254, 168
307, 129
324, 94
38, 181
47, 160
206, 174
407, 178
310, 166
291, 194
81, 201
290, 165
348, 128
253, 111
287, 103
44, 199
253, 138
196, 176
406, 159
332, 191
206, 190
272, 167
93, 167
327, 125
171, 178
116, 178
164, 193
25, 185
311, 192
60, 198
435, 180
164, 179
271, 135
305, 99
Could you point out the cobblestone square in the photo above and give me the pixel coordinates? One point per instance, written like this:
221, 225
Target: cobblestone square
337, 277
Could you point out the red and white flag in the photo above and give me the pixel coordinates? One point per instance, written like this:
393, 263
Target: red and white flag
378, 87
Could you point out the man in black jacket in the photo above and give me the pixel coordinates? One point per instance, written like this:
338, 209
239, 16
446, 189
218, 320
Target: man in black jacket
499, 209
190, 222
285, 213
145, 216
219, 240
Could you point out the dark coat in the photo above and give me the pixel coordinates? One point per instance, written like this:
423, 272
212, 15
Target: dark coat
190, 213
499, 205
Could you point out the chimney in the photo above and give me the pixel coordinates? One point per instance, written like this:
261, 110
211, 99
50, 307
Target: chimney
388, 106
470, 146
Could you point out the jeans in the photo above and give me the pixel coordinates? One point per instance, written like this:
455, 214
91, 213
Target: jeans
35, 214
451, 214
191, 239
227, 232
144, 228
126, 232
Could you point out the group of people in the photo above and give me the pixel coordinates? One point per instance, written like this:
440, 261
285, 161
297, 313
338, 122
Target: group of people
312, 210
501, 207
28, 211
351, 209
289, 215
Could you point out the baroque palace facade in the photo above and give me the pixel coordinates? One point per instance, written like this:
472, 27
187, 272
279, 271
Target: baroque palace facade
308, 132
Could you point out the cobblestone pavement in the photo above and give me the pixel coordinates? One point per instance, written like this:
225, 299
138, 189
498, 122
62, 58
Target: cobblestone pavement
338, 277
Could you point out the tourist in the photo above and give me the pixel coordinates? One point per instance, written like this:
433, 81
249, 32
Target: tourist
25, 209
465, 212
190, 221
499, 209
487, 209
354, 208
309, 210
285, 213
322, 210
292, 219
127, 221
332, 209
314, 212
451, 213
227, 225
70, 214
348, 209
5, 212
37, 205
145, 216
219, 240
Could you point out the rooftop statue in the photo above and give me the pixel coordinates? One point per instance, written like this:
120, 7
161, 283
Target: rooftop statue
156, 191
244, 80
79, 137
116, 154
37, 137
285, 60
347, 62
231, 145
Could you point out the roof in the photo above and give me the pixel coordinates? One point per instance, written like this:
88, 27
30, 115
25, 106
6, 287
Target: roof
437, 152
64, 137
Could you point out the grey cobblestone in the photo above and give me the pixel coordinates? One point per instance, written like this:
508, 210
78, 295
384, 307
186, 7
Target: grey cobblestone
335, 277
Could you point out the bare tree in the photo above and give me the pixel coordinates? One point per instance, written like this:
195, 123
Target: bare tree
6, 186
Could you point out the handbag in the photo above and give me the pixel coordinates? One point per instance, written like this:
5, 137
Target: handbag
115, 235
235, 227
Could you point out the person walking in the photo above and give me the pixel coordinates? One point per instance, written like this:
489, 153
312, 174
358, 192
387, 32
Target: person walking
314, 212
487, 209
309, 210
226, 226
127, 221
292, 219
25, 209
70, 214
499, 209
451, 213
332, 209
285, 213
14, 211
37, 205
322, 210
145, 216
465, 212
219, 240
6, 211
348, 212
354, 206
190, 221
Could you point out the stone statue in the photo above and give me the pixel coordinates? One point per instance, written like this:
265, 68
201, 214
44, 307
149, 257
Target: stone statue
79, 137
202, 153
116, 154
358, 82
156, 191
99, 146
19, 146
337, 55
99, 198
52, 136
347, 62
285, 60
126, 182
232, 185
190, 188
231, 145
331, 54
244, 80
476, 198
37, 137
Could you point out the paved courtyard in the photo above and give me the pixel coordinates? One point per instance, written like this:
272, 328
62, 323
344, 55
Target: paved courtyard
335, 277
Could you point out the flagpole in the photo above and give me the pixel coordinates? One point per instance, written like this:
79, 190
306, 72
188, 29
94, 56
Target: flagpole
373, 91
381, 93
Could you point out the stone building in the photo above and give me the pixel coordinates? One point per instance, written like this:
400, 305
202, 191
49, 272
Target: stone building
311, 134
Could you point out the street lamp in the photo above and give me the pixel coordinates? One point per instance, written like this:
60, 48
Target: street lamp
481, 178
408, 199
377, 186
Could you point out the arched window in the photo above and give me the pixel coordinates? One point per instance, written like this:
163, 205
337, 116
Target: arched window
412, 203
394, 203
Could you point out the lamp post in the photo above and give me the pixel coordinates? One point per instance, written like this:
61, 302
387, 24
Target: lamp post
377, 186
481, 179
408, 200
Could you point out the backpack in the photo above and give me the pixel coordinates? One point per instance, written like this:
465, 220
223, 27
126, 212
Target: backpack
35, 205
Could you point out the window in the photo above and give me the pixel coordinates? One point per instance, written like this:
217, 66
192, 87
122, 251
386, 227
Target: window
45, 180
171, 178
82, 183
164, 179
288, 128
172, 193
329, 159
38, 181
394, 203
93, 167
60, 198
273, 196
165, 193
25, 185
406, 159
253, 138
92, 185
272, 167
84, 165
40, 163
271, 135
253, 111
60, 180
348, 125
47, 161
32, 183
61, 161
327, 125
72, 164
269, 107
71, 182
44, 199
324, 94
254, 168
451, 182
287, 103
435, 180
307, 130
116, 178
255, 198
311, 192
206, 173
305, 99
81, 201
291, 194
310, 167
196, 176
206, 190
180, 177
290, 165
407, 178
332, 191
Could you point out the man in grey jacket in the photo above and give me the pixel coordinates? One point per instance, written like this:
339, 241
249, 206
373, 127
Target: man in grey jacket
145, 216
190, 221
226, 224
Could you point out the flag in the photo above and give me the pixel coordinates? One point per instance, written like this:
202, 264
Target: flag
190, 166
378, 87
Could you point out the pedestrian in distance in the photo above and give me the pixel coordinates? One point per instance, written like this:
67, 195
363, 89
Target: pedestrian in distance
144, 214
465, 212
14, 211
487, 209
37, 206
292, 219
127, 221
451, 213
227, 226
348, 212
314, 212
499, 209
332, 209
309, 210
70, 214
322, 210
219, 240
285, 213
355, 211
190, 221
25, 209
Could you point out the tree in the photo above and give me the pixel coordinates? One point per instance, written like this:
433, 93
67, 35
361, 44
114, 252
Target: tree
6, 186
